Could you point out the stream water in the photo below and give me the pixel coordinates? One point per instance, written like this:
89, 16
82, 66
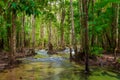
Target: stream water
54, 67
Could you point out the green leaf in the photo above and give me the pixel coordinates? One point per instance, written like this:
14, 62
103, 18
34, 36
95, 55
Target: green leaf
14, 5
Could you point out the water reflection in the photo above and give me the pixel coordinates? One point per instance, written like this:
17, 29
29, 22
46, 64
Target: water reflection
55, 68
49, 71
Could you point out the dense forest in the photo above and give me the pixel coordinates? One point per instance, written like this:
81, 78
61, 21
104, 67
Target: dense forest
88, 28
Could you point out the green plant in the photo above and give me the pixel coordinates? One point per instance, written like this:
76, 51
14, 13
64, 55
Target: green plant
96, 50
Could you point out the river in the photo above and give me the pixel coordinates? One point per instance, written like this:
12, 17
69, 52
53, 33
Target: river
54, 67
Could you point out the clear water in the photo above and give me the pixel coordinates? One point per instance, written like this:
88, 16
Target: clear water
54, 67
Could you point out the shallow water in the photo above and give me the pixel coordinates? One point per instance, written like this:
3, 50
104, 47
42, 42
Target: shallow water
55, 67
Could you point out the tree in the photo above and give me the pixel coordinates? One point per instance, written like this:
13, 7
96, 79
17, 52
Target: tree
86, 37
33, 31
23, 31
72, 26
117, 31
62, 22
13, 34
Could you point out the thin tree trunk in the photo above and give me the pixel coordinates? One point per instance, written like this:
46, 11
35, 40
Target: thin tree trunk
50, 46
113, 25
81, 23
9, 30
93, 36
33, 32
86, 47
117, 31
62, 26
72, 20
49, 37
42, 35
72, 30
17, 39
62, 23
23, 31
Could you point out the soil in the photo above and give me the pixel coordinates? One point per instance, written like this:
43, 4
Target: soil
106, 60
4, 62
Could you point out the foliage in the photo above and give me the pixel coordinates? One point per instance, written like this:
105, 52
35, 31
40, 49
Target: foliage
118, 60
96, 50
101, 21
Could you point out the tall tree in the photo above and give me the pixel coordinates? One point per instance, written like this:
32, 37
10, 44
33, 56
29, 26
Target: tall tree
117, 30
81, 23
93, 36
86, 37
49, 35
23, 31
62, 22
72, 21
13, 35
33, 31
50, 47
42, 35
72, 27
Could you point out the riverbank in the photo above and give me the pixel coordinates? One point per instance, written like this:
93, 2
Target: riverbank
4, 60
55, 67
106, 60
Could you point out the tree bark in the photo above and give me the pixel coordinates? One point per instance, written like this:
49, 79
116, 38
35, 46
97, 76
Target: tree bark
33, 32
13, 37
86, 37
23, 31
50, 46
81, 25
72, 20
62, 25
8, 19
73, 28
117, 31
49, 38
93, 36
42, 35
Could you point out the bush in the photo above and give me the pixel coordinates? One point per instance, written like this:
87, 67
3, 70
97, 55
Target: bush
118, 60
97, 51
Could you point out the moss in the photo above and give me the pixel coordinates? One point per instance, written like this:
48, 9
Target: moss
40, 56
56, 71
118, 60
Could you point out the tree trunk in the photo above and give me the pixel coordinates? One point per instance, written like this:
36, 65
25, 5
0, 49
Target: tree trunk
71, 54
72, 21
117, 31
50, 47
1, 44
62, 26
13, 38
23, 31
81, 25
42, 35
33, 32
8, 19
93, 36
86, 47
73, 28
18, 38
